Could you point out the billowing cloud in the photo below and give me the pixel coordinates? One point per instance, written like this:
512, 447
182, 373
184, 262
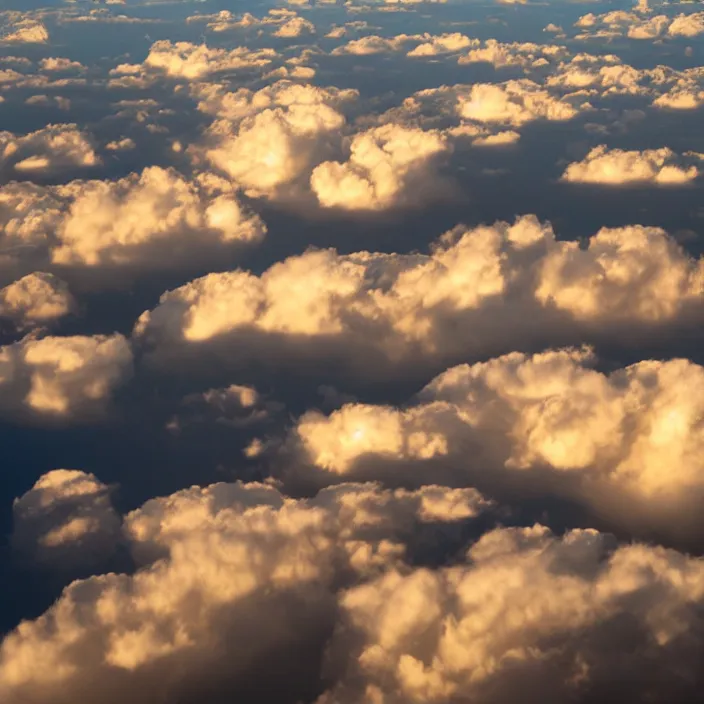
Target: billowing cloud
615, 167
62, 379
36, 299
65, 521
502, 54
25, 31
526, 615
627, 444
243, 576
389, 165
188, 61
153, 219
294, 28
267, 140
481, 291
48, 149
640, 26
512, 103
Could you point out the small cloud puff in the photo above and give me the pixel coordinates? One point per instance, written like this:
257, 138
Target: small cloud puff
388, 166
48, 149
65, 521
25, 31
62, 379
614, 167
36, 299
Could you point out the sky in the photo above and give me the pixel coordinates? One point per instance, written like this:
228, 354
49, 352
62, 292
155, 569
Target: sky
351, 351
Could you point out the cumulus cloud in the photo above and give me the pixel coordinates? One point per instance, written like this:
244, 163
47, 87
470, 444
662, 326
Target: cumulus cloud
234, 406
626, 444
502, 54
639, 26
481, 291
388, 166
268, 139
62, 378
25, 31
36, 299
243, 576
294, 28
155, 219
526, 615
616, 166
512, 103
188, 61
65, 521
426, 44
48, 149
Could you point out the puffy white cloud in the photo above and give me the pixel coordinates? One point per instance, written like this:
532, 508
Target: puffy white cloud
36, 299
188, 61
481, 291
267, 140
627, 444
246, 575
512, 103
501, 54
287, 23
527, 615
295, 27
48, 149
640, 26
691, 25
26, 31
154, 219
389, 165
374, 44
65, 521
60, 64
433, 45
616, 166
62, 378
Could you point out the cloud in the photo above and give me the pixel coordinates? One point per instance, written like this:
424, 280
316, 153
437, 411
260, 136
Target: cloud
294, 28
48, 149
233, 406
615, 167
525, 615
626, 445
26, 31
481, 291
426, 44
622, 23
156, 219
267, 140
234, 576
388, 166
36, 299
501, 54
188, 61
512, 103
435, 45
65, 521
62, 379
60, 64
